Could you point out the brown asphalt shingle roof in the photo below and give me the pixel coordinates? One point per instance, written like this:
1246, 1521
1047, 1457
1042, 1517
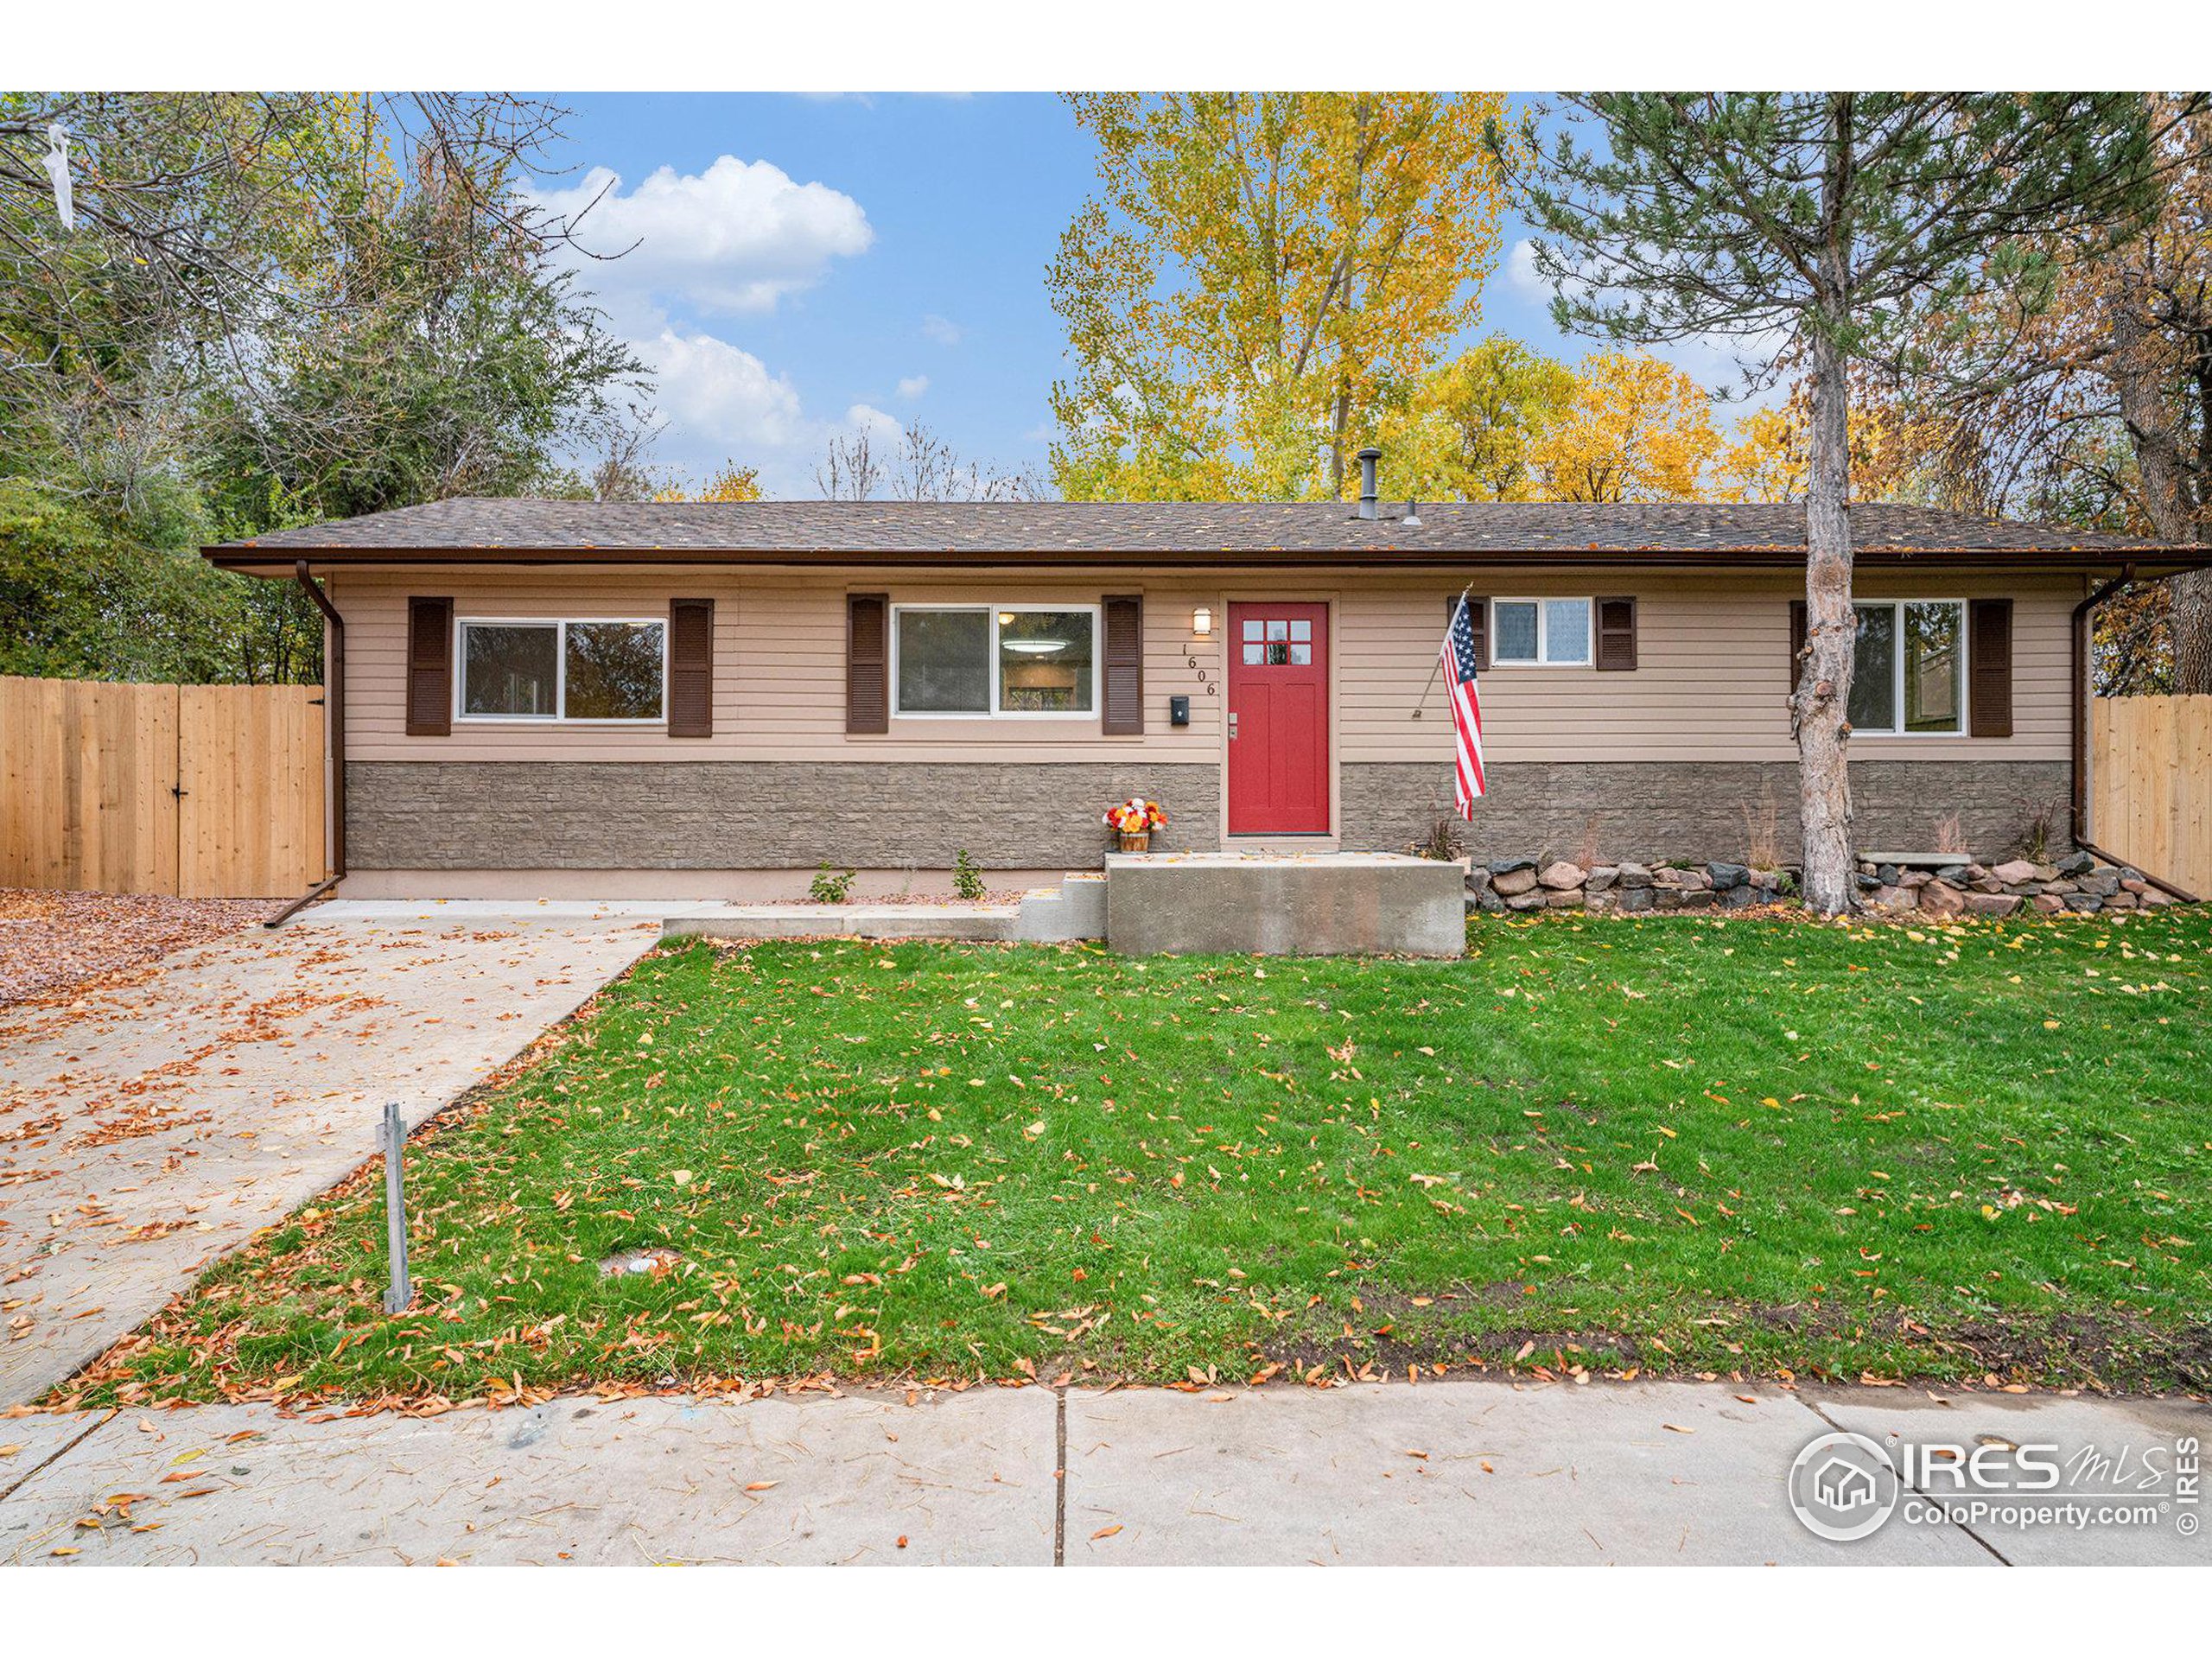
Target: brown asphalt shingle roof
966, 530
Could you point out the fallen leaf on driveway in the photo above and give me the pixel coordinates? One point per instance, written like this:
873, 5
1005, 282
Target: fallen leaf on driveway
1105, 1532
1678, 1428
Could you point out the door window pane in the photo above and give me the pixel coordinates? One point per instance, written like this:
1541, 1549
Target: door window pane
1874, 669
1045, 662
511, 668
1933, 633
945, 662
1514, 620
1567, 630
614, 670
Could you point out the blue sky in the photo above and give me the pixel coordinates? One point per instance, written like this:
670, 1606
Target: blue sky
810, 264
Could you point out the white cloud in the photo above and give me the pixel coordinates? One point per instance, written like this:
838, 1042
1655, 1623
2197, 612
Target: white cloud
866, 418
943, 330
722, 399
914, 385
735, 238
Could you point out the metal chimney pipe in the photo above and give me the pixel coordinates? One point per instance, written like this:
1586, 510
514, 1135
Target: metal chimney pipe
1368, 457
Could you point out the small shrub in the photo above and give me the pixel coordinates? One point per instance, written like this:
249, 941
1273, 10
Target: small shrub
1443, 842
1950, 836
967, 880
1763, 831
2038, 822
830, 887
1587, 854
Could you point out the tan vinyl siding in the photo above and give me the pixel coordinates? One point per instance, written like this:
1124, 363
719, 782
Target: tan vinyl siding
1712, 655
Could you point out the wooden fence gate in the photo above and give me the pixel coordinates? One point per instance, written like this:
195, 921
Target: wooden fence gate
207, 792
2150, 769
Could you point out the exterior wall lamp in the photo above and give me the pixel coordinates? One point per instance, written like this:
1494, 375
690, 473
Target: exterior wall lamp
1202, 622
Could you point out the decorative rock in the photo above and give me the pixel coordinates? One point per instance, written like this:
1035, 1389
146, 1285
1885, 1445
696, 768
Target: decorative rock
1477, 878
1635, 876
1912, 880
2134, 884
1528, 900
2077, 864
2102, 883
1633, 900
1507, 883
1741, 897
1562, 875
2121, 901
1992, 904
1767, 880
1887, 874
2084, 901
1697, 898
1941, 899
2048, 904
1507, 866
1601, 878
1667, 898
1957, 875
1564, 899
1986, 883
2016, 872
1867, 881
1725, 876
2154, 899
1889, 898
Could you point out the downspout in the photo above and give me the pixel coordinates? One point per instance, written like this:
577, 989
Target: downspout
2080, 825
334, 696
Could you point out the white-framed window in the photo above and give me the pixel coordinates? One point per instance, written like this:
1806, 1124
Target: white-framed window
1909, 672
605, 671
1013, 661
1546, 632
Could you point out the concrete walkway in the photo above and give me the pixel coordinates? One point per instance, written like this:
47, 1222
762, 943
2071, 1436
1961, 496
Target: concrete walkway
1468, 1473
150, 1127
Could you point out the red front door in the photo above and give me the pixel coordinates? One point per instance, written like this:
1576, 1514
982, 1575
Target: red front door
1278, 719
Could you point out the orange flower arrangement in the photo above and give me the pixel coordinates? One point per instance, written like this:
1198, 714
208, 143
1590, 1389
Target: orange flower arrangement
1136, 816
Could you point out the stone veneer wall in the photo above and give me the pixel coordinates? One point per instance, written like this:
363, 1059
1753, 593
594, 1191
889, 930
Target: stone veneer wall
491, 815
1548, 809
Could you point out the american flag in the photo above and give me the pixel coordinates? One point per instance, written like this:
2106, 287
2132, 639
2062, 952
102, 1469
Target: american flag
1459, 654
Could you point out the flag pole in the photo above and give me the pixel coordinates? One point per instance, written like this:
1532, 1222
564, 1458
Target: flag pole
1437, 666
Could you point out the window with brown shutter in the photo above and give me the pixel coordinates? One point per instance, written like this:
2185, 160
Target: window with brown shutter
1615, 635
867, 666
1478, 620
1797, 637
690, 668
1124, 664
429, 667
1989, 668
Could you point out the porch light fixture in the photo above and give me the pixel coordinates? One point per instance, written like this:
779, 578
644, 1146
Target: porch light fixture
1202, 622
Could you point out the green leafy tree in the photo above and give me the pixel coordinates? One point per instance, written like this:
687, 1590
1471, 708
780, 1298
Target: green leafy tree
1826, 224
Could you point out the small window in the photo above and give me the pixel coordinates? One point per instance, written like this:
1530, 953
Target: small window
988, 659
1909, 668
1279, 642
1551, 632
610, 671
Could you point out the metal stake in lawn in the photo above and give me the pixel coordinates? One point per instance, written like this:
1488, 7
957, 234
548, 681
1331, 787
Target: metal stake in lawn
394, 1137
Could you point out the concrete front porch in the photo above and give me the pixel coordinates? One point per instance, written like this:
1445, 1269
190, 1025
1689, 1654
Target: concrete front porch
1285, 903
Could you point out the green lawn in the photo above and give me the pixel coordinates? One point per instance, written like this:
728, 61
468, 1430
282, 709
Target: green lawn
1677, 1145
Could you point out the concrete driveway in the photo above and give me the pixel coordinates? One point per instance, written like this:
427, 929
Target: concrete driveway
150, 1127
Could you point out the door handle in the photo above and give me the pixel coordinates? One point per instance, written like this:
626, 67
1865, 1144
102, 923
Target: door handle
1232, 725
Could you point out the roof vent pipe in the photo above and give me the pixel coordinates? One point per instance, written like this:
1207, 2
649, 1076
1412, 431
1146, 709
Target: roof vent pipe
1368, 457
1411, 520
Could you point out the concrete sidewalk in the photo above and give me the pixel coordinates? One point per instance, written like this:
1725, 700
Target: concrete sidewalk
1447, 1472
149, 1127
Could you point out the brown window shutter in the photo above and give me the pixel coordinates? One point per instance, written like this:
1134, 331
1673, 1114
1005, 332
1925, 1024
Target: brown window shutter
429, 667
1124, 715
1478, 620
1796, 642
1989, 665
1615, 635
867, 663
690, 668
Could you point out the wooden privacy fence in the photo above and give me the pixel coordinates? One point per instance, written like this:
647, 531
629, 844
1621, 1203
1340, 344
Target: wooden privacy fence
206, 792
2151, 771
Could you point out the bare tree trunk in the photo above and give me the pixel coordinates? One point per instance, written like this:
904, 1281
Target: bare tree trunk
2140, 386
1819, 706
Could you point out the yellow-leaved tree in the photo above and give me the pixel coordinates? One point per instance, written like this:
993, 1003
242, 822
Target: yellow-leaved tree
1637, 429
1466, 431
1257, 275
733, 483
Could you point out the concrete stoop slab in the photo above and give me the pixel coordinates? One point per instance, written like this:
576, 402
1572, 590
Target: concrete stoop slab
1318, 904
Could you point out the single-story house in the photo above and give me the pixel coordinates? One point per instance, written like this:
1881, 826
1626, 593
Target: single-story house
548, 698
